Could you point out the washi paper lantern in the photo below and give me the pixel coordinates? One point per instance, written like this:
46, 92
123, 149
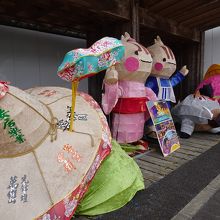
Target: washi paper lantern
83, 63
86, 126
45, 171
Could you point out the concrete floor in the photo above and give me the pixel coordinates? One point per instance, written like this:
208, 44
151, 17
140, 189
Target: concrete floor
204, 204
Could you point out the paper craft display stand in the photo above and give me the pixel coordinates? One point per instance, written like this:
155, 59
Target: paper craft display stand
164, 126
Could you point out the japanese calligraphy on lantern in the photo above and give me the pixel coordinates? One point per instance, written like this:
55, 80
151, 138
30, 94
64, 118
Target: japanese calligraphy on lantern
10, 125
164, 126
65, 124
14, 189
24, 188
67, 157
12, 194
47, 93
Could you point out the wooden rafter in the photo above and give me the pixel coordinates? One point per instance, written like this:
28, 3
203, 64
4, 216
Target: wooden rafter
180, 7
161, 5
197, 10
181, 18
180, 11
211, 24
202, 18
167, 25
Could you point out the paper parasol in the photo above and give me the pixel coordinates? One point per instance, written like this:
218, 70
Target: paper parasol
82, 63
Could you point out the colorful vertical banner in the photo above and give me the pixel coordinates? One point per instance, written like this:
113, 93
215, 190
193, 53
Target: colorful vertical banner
164, 126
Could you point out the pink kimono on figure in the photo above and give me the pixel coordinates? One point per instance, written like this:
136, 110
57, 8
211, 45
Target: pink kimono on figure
125, 93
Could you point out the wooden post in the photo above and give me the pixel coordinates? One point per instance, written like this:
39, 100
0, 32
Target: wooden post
95, 82
201, 56
190, 56
113, 29
134, 4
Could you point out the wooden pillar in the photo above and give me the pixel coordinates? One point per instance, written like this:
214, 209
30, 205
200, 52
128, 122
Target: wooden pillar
190, 55
95, 82
201, 56
134, 4
112, 29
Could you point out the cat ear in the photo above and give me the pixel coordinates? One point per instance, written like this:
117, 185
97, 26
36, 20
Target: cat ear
127, 35
158, 41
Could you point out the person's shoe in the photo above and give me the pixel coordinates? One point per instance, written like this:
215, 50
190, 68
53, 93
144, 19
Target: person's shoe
215, 130
177, 126
184, 135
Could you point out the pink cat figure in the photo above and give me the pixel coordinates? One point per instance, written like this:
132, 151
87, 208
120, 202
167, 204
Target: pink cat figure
125, 93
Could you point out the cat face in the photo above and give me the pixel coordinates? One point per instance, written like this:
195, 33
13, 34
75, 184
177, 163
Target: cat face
137, 62
164, 62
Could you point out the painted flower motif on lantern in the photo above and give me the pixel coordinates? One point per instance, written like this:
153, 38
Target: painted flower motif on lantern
70, 205
3, 88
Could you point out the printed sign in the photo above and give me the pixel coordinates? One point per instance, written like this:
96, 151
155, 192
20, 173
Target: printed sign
164, 126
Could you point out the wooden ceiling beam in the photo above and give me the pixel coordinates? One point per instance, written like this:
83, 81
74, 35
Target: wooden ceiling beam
86, 14
148, 3
29, 9
163, 4
35, 9
180, 8
70, 30
209, 22
209, 25
95, 4
66, 15
167, 25
192, 11
116, 8
201, 18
